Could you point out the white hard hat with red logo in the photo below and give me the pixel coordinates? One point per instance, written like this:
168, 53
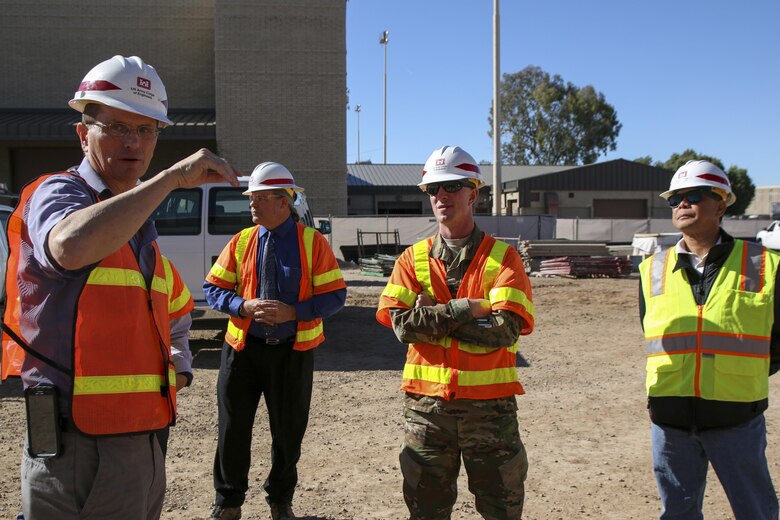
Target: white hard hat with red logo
698, 174
128, 84
450, 163
271, 176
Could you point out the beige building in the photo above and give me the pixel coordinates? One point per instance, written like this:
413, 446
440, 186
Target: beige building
256, 80
765, 199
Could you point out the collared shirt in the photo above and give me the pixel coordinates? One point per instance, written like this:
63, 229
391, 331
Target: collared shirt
54, 291
697, 261
288, 282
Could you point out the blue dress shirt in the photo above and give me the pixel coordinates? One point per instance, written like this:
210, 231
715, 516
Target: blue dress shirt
288, 281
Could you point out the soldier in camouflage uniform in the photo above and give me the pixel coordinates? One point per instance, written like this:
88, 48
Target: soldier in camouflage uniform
461, 299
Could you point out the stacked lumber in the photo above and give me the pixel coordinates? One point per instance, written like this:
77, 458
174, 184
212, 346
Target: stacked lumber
533, 252
586, 267
555, 248
377, 265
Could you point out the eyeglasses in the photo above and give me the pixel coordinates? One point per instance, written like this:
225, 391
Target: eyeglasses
693, 196
145, 132
449, 187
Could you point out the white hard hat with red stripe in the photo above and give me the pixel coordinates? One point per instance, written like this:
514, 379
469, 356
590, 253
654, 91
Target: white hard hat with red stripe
271, 176
450, 163
697, 174
128, 84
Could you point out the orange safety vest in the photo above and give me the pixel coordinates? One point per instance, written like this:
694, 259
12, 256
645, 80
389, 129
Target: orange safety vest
235, 269
446, 367
123, 378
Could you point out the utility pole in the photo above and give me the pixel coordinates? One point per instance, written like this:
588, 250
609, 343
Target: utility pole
497, 191
357, 111
384, 40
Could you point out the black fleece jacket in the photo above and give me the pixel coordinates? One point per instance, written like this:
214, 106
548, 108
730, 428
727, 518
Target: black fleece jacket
695, 412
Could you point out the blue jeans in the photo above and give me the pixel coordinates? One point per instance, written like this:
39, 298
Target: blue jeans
737, 454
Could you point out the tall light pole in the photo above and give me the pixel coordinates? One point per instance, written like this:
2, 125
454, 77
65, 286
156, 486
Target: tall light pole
497, 191
357, 111
384, 40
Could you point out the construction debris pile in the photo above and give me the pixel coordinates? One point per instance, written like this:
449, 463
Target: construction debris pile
579, 259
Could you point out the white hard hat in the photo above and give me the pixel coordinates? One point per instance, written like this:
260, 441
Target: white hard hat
450, 163
271, 176
128, 84
695, 174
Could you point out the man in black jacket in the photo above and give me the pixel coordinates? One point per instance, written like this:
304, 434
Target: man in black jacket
710, 317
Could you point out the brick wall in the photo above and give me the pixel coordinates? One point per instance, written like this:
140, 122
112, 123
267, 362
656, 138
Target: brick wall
274, 70
281, 91
48, 46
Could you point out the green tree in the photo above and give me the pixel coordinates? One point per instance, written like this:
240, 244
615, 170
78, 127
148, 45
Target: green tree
678, 159
741, 184
645, 159
742, 187
548, 121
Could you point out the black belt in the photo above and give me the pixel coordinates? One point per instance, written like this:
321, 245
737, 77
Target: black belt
269, 341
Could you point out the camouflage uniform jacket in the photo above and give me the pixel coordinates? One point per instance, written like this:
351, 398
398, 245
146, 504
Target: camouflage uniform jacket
454, 319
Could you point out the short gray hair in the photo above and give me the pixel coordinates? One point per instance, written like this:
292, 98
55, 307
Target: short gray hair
290, 202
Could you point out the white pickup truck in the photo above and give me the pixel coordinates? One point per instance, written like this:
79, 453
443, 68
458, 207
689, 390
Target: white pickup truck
770, 237
195, 224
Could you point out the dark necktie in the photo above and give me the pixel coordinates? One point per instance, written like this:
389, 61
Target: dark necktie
268, 272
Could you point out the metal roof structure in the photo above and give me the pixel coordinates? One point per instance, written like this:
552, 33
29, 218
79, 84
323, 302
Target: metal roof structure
408, 175
614, 175
18, 124
618, 174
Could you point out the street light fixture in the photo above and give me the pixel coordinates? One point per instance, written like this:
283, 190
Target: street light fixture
357, 111
384, 40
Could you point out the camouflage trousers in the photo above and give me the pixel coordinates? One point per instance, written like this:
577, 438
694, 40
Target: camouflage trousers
493, 455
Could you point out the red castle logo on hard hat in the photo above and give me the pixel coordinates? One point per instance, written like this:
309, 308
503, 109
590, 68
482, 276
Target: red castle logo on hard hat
144, 83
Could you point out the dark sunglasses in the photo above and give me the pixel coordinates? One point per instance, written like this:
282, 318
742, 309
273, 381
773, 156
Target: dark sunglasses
693, 196
449, 187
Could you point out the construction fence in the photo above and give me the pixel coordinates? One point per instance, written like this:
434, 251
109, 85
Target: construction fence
623, 230
511, 229
344, 231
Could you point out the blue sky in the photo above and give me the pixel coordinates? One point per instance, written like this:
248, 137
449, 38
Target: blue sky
681, 74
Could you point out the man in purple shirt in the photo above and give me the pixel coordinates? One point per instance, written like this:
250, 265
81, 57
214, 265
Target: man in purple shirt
71, 223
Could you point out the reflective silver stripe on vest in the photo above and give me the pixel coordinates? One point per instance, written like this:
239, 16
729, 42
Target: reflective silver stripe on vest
752, 268
709, 343
657, 272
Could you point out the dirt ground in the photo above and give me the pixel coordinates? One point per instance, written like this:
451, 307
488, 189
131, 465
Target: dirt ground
583, 418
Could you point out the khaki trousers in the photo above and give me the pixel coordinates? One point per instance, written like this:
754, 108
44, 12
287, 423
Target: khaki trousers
106, 478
